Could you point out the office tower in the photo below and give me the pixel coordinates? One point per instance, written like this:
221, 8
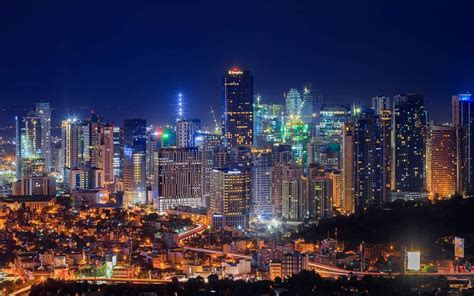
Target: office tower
229, 200
28, 142
312, 103
186, 130
381, 103
409, 146
43, 111
282, 156
71, 142
268, 120
241, 157
386, 118
179, 178
441, 161
261, 183
368, 155
463, 122
332, 117
106, 154
208, 147
152, 147
118, 151
347, 169
320, 197
293, 102
56, 155
135, 180
238, 108
293, 193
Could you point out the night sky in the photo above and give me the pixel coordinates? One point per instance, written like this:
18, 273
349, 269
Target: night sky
131, 58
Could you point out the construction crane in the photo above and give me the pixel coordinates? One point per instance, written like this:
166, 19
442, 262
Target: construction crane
217, 129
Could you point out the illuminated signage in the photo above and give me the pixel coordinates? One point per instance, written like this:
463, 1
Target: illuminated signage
413, 261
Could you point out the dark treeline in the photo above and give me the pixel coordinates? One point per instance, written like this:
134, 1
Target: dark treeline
305, 283
413, 224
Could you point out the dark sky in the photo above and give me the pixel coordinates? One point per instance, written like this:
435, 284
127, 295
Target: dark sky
130, 58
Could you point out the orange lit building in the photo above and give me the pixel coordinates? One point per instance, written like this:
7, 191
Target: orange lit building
441, 162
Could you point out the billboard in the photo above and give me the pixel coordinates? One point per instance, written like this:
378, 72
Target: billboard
413, 261
458, 247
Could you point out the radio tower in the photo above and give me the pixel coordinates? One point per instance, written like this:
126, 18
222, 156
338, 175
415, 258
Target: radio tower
180, 107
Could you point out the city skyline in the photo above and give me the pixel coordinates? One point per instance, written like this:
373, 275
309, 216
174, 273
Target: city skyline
75, 64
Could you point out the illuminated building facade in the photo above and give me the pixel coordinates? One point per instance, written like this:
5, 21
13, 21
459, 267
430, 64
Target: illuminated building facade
118, 151
368, 155
186, 130
320, 197
441, 161
106, 151
348, 160
179, 181
293, 102
409, 120
311, 106
282, 158
332, 117
135, 180
463, 122
71, 140
268, 119
229, 200
261, 182
28, 142
208, 146
43, 111
293, 193
297, 134
238, 108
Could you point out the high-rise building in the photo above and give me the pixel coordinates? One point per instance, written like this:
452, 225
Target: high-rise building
381, 103
385, 116
106, 152
135, 180
368, 155
268, 120
118, 151
71, 141
261, 182
282, 157
293, 193
320, 197
28, 142
332, 117
463, 122
229, 200
238, 108
43, 111
209, 144
186, 130
347, 169
293, 263
409, 122
293, 102
441, 161
312, 103
179, 181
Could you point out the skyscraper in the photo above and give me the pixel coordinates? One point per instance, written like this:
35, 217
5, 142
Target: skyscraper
230, 195
118, 151
71, 134
106, 154
43, 111
463, 122
28, 142
186, 130
441, 161
238, 108
293, 193
179, 180
293, 102
409, 142
135, 180
261, 182
348, 160
320, 197
368, 156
